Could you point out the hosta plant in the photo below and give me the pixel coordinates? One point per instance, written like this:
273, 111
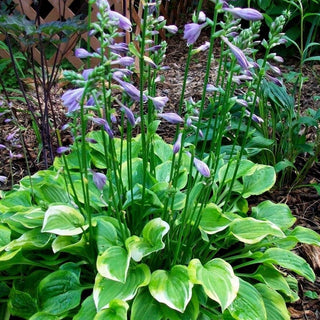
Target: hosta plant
129, 226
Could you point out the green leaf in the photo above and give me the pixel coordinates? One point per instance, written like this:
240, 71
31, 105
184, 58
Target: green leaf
311, 294
259, 182
52, 193
63, 220
87, 311
8, 259
5, 236
114, 263
59, 292
226, 173
305, 235
151, 240
44, 316
70, 244
274, 279
248, 305
105, 290
32, 239
275, 305
105, 235
145, 307
163, 174
212, 219
278, 213
21, 304
117, 310
217, 279
172, 288
250, 230
289, 260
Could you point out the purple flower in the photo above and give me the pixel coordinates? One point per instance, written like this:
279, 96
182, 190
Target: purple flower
2, 146
91, 140
202, 17
131, 90
245, 13
10, 136
99, 179
171, 29
154, 48
242, 102
71, 99
278, 59
123, 22
129, 115
192, 32
240, 56
159, 102
82, 53
119, 47
171, 117
102, 4
203, 47
211, 88
254, 117
177, 144
62, 150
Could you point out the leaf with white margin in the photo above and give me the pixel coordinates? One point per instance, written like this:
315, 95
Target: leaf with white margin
105, 290
63, 220
217, 279
114, 263
172, 288
117, 310
250, 230
151, 240
212, 219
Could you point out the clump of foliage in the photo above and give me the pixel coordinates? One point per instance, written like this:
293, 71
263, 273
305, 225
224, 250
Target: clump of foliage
132, 227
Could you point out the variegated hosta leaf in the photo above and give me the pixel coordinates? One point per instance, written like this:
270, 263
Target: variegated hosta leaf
274, 303
248, 305
217, 279
172, 288
63, 220
105, 290
114, 263
151, 240
117, 310
263, 178
212, 220
249, 230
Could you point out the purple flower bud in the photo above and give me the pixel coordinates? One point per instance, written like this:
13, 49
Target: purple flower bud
123, 22
177, 144
275, 69
171, 117
202, 17
124, 61
274, 80
254, 117
189, 122
192, 32
242, 102
201, 166
129, 114
2, 146
245, 13
102, 4
159, 102
3, 179
119, 47
86, 73
7, 120
241, 58
71, 99
154, 48
99, 179
82, 53
171, 29
113, 118
131, 90
278, 59
10, 136
203, 47
61, 150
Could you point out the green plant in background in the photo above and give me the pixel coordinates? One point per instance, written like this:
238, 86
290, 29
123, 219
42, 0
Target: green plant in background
132, 227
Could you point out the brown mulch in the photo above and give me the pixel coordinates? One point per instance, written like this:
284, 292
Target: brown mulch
303, 201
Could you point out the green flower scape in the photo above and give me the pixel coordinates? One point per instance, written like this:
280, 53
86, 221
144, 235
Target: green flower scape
125, 225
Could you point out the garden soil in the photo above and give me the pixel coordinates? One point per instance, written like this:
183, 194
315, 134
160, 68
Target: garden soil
304, 201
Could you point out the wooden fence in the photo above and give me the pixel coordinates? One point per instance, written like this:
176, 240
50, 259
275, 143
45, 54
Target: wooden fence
54, 10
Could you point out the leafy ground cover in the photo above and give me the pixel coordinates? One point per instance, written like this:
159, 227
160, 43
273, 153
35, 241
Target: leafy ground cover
302, 201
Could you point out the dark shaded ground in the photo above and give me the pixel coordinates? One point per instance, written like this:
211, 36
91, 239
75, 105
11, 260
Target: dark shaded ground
304, 201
